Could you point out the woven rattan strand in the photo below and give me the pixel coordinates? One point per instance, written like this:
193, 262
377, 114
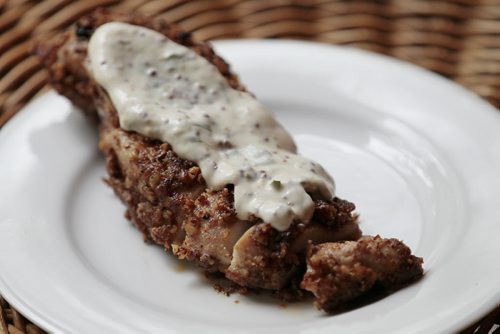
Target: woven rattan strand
459, 39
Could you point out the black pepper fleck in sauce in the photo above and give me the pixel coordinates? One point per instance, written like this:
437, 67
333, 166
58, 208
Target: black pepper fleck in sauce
83, 31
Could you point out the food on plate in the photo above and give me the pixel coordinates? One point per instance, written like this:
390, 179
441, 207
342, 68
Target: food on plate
207, 172
341, 271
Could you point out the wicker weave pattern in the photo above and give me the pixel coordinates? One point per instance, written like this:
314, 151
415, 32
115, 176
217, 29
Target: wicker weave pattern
457, 38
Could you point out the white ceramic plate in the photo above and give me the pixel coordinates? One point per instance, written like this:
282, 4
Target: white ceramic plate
419, 155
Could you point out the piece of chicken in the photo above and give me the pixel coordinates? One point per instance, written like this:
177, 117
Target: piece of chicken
341, 271
166, 196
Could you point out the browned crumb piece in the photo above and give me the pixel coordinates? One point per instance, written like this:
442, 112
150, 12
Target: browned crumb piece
224, 286
341, 271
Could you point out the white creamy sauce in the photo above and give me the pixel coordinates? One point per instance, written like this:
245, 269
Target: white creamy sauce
168, 92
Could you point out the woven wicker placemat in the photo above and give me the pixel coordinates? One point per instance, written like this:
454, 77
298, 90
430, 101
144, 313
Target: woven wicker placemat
459, 39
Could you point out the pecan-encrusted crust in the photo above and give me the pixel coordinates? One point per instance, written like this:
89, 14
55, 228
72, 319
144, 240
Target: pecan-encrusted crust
341, 271
166, 196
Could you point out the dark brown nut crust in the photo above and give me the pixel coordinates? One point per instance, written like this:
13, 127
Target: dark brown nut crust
341, 271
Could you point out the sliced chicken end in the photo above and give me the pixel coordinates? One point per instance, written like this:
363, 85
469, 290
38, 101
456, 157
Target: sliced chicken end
266, 258
341, 271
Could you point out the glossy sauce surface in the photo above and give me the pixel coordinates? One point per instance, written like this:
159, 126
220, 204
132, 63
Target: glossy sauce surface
166, 91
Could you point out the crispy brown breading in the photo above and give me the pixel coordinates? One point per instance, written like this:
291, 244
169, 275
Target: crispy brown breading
341, 271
